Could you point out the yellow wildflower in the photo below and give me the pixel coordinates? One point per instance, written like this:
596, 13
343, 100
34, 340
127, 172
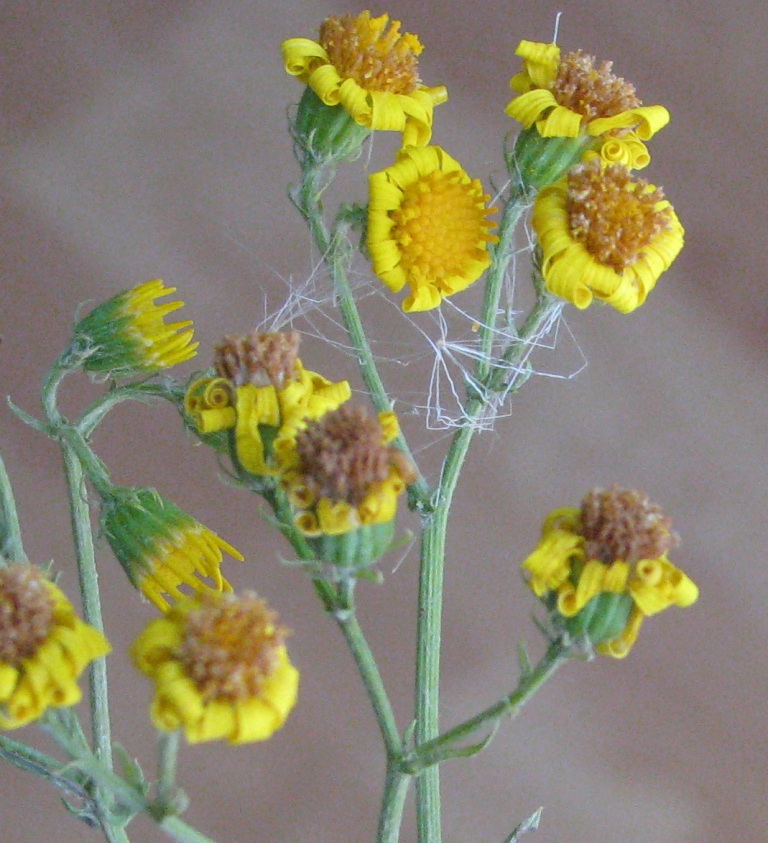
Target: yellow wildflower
161, 547
428, 226
604, 233
44, 646
220, 668
603, 568
127, 335
262, 396
344, 480
368, 68
569, 96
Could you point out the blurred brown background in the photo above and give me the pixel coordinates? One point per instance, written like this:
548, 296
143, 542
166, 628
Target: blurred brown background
147, 139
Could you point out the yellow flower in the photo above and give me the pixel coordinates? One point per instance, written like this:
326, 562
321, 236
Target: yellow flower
127, 335
161, 547
603, 233
44, 646
262, 396
603, 568
568, 96
220, 668
344, 480
428, 226
366, 66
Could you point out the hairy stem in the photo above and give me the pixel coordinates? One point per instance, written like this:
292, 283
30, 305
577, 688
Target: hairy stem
428, 645
429, 631
439, 748
392, 805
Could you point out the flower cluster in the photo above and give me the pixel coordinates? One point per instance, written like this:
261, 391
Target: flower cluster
602, 232
601, 569
44, 646
571, 96
220, 668
261, 396
291, 426
344, 479
605, 234
364, 68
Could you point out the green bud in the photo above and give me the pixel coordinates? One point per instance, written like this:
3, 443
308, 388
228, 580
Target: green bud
327, 132
535, 162
356, 549
604, 618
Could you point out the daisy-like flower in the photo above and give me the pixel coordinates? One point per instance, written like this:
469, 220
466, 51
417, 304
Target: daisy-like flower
261, 397
220, 668
161, 547
344, 478
44, 646
570, 95
603, 568
368, 69
604, 233
127, 335
428, 226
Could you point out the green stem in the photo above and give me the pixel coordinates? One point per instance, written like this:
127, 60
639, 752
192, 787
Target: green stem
77, 454
339, 603
143, 392
11, 547
81, 529
430, 609
26, 758
438, 749
180, 831
434, 536
39, 764
392, 805
168, 754
545, 308
501, 254
369, 672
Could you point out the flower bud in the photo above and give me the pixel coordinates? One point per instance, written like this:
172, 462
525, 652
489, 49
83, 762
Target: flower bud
603, 568
127, 336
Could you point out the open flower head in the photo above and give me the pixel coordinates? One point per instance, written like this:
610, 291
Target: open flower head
604, 233
603, 568
44, 646
220, 669
262, 396
161, 547
344, 479
571, 95
127, 335
369, 69
428, 226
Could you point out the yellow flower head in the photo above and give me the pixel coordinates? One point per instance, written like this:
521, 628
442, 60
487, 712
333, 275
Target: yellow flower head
428, 226
161, 547
344, 479
604, 233
262, 396
220, 668
44, 646
603, 568
366, 66
570, 95
127, 335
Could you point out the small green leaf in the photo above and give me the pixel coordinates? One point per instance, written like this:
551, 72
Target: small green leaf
531, 824
524, 660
